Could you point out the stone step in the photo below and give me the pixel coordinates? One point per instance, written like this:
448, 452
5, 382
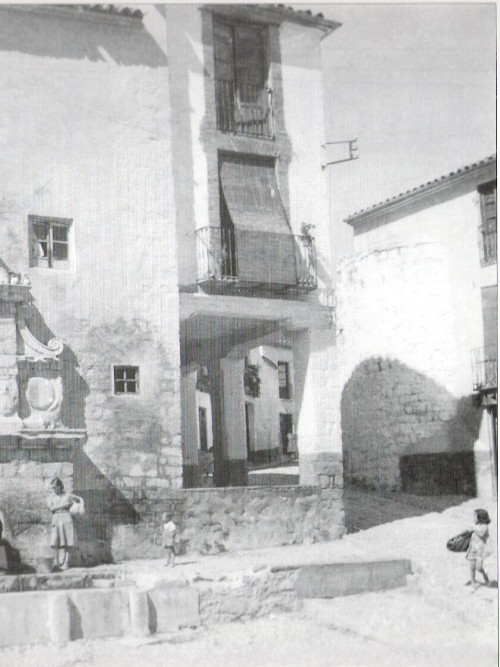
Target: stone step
337, 579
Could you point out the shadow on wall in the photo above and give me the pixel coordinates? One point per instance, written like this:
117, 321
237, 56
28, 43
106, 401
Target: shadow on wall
75, 388
76, 34
403, 431
105, 507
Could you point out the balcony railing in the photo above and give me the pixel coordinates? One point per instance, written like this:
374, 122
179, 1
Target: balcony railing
217, 254
485, 368
489, 246
244, 109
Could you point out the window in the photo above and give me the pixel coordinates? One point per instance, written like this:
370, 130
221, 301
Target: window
126, 379
488, 198
49, 241
243, 98
284, 379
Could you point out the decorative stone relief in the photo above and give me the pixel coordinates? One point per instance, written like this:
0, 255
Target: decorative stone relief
33, 349
45, 397
9, 399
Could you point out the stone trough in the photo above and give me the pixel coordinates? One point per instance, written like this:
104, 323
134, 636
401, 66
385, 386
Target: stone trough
97, 603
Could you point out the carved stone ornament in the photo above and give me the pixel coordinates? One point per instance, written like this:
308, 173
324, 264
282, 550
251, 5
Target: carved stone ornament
9, 401
35, 350
45, 397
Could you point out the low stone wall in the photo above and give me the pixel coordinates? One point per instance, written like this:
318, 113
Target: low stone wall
229, 519
124, 524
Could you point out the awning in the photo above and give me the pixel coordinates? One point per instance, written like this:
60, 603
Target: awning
264, 240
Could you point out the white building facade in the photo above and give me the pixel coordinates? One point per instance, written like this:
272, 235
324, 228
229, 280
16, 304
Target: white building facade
417, 322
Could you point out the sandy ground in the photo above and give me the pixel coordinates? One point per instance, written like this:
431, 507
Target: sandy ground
435, 621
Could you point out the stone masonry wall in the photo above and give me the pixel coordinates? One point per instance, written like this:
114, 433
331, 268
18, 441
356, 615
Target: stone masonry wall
389, 411
230, 519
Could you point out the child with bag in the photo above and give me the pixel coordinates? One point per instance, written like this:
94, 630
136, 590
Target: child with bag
479, 547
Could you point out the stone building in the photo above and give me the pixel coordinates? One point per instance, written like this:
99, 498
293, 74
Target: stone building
417, 333
165, 266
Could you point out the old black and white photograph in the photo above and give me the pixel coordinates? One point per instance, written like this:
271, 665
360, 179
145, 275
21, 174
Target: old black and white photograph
248, 335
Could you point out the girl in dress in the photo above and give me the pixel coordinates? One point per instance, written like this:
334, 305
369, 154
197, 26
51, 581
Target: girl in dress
63, 534
168, 538
479, 546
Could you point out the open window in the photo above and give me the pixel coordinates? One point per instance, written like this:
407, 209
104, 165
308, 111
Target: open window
241, 70
49, 241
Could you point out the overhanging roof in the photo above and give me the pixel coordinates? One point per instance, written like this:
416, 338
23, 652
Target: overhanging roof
429, 193
272, 13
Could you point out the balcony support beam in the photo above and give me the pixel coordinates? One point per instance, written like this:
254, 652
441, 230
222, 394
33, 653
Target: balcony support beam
298, 315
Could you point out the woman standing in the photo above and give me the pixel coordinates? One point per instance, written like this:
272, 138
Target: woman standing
63, 533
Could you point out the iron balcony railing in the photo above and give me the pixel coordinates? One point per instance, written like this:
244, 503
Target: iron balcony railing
217, 255
489, 245
244, 109
485, 368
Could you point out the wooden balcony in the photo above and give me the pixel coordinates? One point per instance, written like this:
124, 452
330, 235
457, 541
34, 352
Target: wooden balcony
244, 109
219, 261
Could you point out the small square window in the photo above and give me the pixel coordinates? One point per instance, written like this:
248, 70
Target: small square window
126, 379
49, 242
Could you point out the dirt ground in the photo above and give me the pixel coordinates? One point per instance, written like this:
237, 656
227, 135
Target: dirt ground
435, 621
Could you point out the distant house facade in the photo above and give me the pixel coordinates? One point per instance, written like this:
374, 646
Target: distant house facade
166, 278
417, 318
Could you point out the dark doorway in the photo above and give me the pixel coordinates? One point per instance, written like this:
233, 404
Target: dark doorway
202, 425
249, 417
286, 427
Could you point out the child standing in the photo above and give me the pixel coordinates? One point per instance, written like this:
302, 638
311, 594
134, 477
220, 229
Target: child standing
169, 533
479, 547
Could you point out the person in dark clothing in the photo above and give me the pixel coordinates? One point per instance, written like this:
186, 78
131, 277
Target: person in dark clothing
9, 557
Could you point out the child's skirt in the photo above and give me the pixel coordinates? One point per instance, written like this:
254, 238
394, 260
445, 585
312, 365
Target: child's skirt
479, 547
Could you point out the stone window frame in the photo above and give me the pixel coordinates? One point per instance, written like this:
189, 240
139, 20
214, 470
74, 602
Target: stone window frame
133, 382
48, 260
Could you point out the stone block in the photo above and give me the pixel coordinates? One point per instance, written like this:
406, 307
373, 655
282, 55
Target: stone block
173, 607
329, 581
59, 618
139, 612
99, 613
23, 619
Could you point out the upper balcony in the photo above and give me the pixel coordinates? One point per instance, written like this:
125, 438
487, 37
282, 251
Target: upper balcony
485, 369
255, 258
244, 109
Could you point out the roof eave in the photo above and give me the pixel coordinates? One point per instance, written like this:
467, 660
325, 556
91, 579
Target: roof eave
476, 175
274, 14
